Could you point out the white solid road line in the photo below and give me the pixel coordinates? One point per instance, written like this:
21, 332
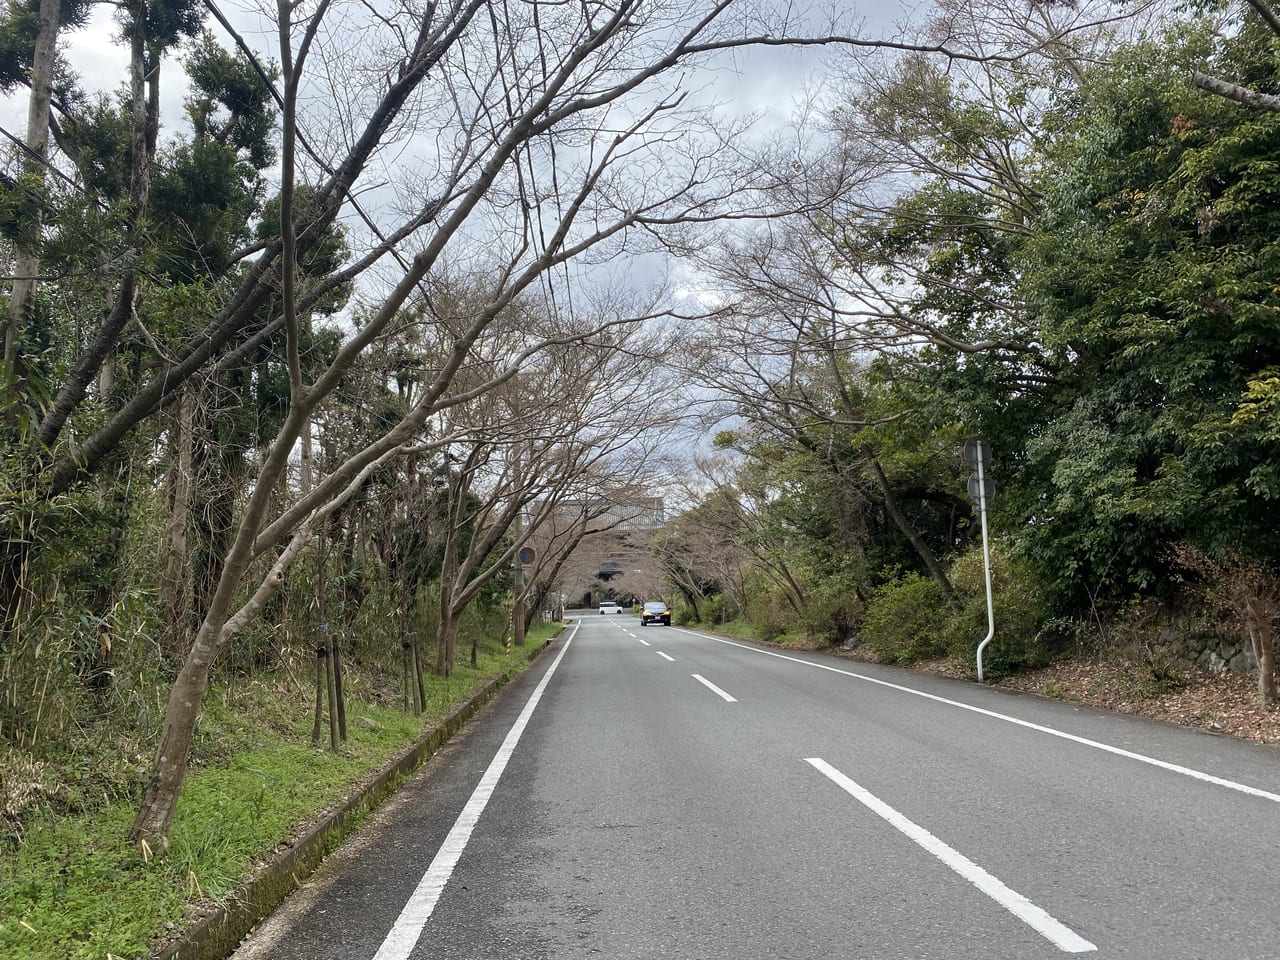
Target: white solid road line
1039, 728
713, 688
1060, 935
404, 934
665, 657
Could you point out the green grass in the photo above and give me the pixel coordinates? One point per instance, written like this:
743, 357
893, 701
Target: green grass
74, 889
744, 629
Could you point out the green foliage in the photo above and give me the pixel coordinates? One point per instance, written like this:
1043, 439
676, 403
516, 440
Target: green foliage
23, 204
19, 25
718, 608
767, 613
832, 608
905, 620
230, 103
82, 659
168, 23
1019, 614
1107, 245
101, 130
320, 255
202, 197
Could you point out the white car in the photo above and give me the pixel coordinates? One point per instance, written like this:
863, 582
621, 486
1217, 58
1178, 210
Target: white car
610, 607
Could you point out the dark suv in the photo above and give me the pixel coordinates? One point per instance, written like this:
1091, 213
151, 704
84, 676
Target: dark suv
655, 611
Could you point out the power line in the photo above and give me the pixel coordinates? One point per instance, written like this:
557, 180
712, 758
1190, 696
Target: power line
45, 162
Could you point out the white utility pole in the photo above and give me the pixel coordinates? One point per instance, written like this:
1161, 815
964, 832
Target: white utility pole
977, 453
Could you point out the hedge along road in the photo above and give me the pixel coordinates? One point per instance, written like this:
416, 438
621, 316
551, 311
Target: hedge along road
656, 792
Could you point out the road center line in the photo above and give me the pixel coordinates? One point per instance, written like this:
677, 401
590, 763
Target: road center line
404, 934
645, 642
1039, 728
1061, 936
665, 657
713, 688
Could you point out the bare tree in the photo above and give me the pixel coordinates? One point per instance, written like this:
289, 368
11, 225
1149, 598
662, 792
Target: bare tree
537, 450
1248, 591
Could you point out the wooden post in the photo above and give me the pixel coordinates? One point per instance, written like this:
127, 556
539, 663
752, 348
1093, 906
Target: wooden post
419, 670
419, 692
335, 654
332, 684
406, 659
321, 674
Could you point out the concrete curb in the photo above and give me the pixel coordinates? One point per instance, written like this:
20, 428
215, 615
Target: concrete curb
214, 937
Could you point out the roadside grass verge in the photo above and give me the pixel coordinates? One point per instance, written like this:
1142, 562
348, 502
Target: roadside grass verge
75, 889
748, 631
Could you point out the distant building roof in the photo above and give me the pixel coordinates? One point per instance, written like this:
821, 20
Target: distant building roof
638, 513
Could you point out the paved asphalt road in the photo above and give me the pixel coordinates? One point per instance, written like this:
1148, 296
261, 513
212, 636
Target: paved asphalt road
671, 795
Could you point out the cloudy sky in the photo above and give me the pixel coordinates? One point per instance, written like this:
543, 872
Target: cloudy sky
767, 82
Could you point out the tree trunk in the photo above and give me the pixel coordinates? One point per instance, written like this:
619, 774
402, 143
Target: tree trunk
418, 671
447, 636
419, 687
335, 655
306, 457
406, 675
177, 596
447, 643
155, 816
332, 684
1262, 638
533, 607
160, 802
692, 597
909, 531
353, 587
27, 266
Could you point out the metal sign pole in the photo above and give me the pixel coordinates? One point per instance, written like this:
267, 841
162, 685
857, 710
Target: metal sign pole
986, 563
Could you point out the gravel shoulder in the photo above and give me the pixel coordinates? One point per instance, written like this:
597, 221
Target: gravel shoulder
1222, 703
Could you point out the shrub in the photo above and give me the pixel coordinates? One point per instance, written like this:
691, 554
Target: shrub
832, 611
1144, 640
713, 610
905, 620
766, 614
1019, 614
